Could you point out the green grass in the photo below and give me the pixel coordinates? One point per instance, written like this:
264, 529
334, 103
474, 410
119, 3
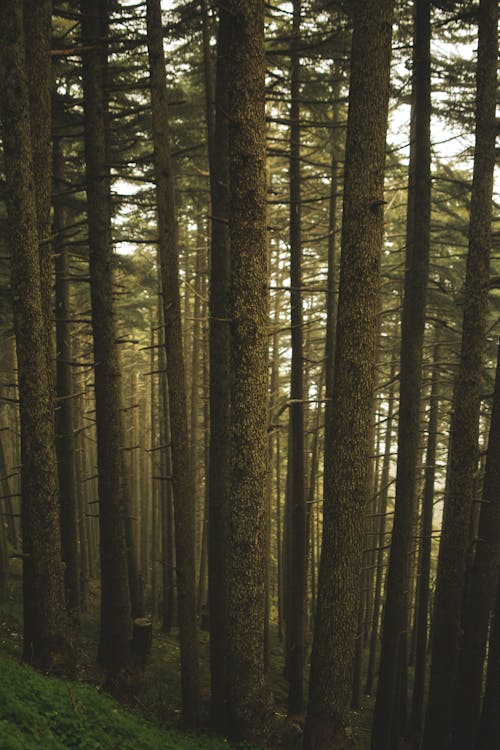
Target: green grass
41, 712
49, 714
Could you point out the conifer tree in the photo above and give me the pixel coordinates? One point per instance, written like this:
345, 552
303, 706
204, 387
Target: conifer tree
46, 637
347, 437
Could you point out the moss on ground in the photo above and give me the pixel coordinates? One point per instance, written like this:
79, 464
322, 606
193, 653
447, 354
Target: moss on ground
42, 712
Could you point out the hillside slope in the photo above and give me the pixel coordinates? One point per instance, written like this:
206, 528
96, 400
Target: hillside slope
42, 713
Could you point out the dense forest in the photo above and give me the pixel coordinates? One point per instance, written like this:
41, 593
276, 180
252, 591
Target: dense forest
249, 363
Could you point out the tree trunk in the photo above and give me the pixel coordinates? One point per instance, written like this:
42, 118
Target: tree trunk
481, 598
296, 568
489, 730
115, 595
183, 486
166, 498
425, 553
248, 706
463, 452
347, 439
65, 423
46, 637
37, 16
381, 523
219, 343
412, 337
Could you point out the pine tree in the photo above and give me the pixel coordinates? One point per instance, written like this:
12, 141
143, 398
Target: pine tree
115, 593
466, 401
248, 709
46, 635
346, 441
183, 485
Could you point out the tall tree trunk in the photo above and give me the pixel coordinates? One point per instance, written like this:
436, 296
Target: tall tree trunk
463, 452
65, 423
332, 280
381, 523
166, 495
296, 568
481, 597
219, 345
46, 639
194, 402
248, 710
425, 552
412, 337
347, 438
489, 728
183, 486
115, 595
37, 16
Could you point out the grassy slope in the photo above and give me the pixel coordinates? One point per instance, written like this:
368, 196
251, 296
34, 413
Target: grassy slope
41, 712
47, 714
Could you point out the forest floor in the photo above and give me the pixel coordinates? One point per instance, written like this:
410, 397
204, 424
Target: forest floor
38, 712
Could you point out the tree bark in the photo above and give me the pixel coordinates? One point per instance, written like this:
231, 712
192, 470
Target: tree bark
412, 337
296, 568
46, 639
463, 452
115, 594
425, 553
37, 16
347, 438
65, 423
489, 728
482, 591
248, 705
219, 346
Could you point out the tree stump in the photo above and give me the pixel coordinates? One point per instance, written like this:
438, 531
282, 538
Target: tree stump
142, 639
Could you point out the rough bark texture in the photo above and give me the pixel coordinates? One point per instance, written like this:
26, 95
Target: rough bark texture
482, 591
412, 338
37, 16
47, 644
219, 343
245, 561
296, 568
183, 485
347, 440
332, 261
115, 596
463, 452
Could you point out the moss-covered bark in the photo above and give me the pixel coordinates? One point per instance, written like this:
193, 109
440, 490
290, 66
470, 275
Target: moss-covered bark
347, 442
47, 643
37, 16
248, 305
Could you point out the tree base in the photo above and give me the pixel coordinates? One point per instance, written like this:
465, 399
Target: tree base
324, 734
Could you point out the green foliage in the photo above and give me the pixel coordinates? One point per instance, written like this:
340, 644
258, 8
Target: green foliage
41, 712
